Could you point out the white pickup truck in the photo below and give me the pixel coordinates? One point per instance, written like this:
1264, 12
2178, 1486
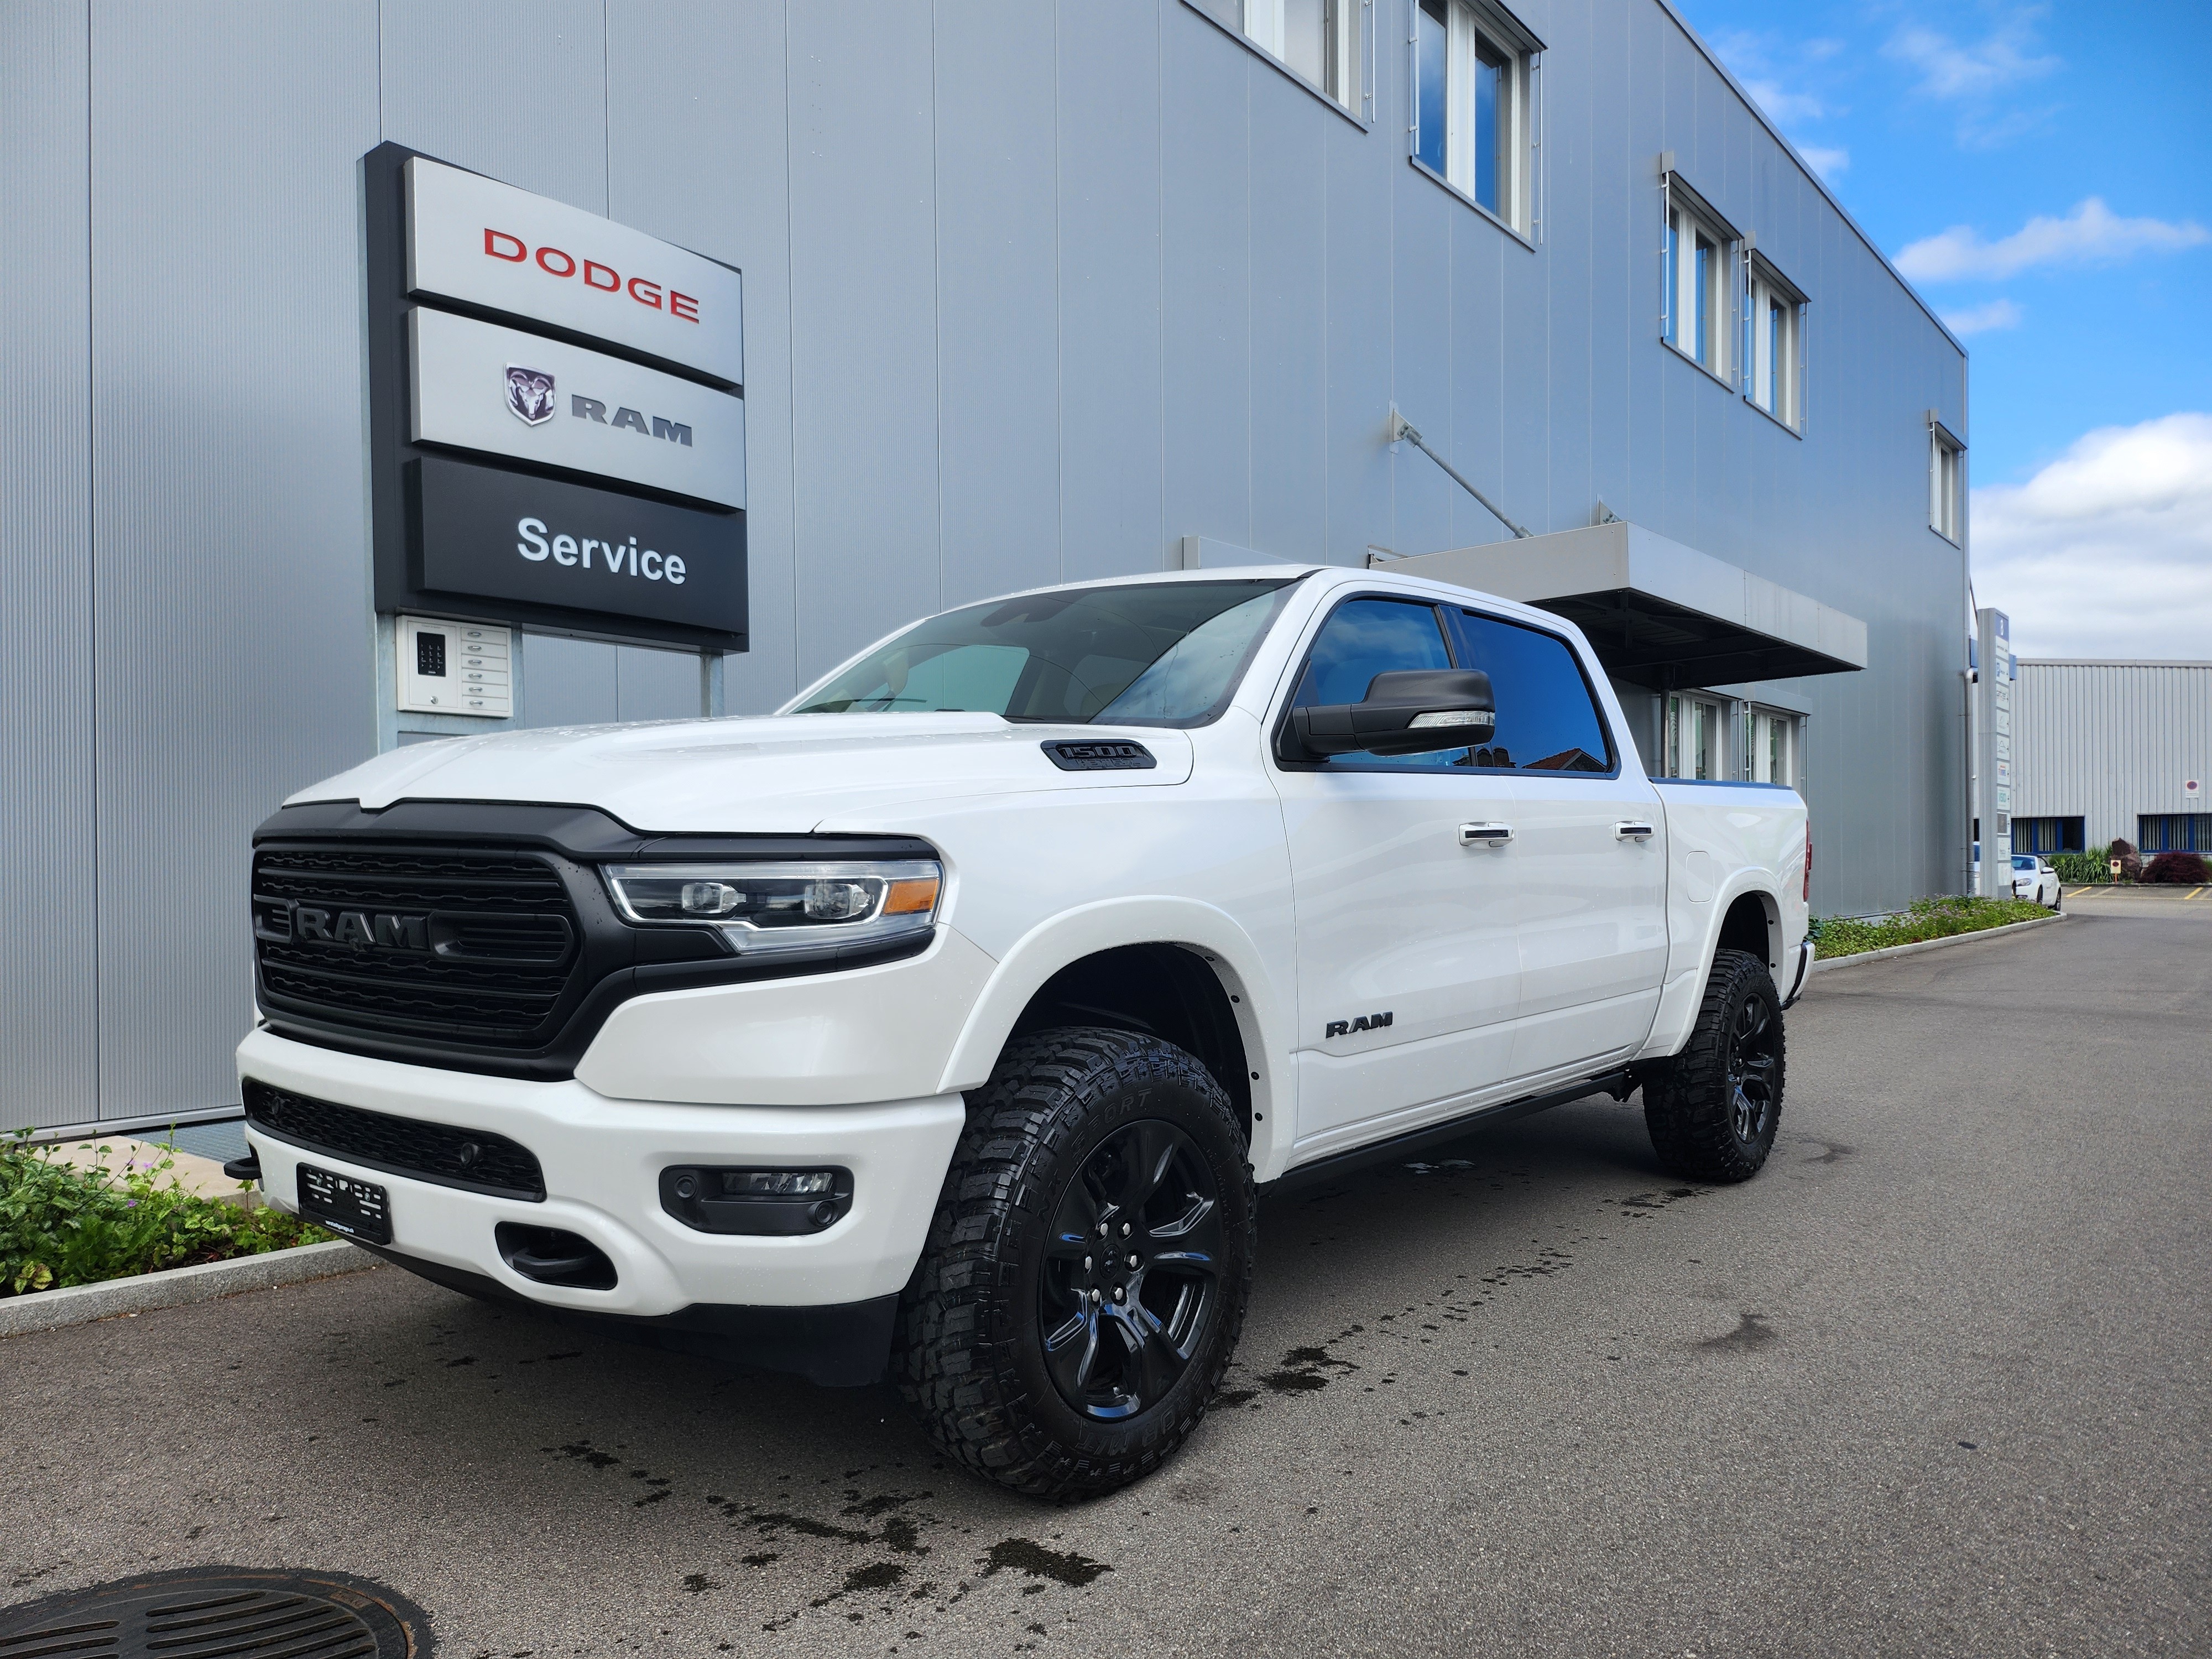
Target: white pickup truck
951, 1019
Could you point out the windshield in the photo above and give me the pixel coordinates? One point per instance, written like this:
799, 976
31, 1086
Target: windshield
1153, 654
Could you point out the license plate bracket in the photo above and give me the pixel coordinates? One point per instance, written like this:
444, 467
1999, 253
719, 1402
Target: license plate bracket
345, 1204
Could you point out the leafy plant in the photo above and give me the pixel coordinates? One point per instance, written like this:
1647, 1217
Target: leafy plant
1924, 919
2177, 870
63, 1226
2080, 869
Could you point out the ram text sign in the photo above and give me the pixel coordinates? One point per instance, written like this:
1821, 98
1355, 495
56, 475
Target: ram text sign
479, 386
482, 243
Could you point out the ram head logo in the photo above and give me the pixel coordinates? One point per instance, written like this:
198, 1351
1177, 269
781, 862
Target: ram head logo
530, 394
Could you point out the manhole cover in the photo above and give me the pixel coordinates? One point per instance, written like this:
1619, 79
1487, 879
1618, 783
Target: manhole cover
234, 1611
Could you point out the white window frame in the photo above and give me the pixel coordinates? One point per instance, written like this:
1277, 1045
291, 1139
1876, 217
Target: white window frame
1689, 722
1471, 25
1267, 26
1946, 482
1773, 357
1687, 217
1774, 747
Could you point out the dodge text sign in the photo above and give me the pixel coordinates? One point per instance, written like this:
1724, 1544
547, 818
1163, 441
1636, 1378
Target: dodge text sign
484, 532
482, 243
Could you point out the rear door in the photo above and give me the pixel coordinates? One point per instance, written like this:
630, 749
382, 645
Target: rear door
1590, 841
1408, 973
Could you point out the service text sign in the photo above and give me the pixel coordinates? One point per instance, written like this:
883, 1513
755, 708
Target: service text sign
476, 241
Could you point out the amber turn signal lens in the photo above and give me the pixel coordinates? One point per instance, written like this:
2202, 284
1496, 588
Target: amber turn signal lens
908, 898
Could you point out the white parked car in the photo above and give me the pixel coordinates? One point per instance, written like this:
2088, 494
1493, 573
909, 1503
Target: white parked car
951, 1020
2033, 878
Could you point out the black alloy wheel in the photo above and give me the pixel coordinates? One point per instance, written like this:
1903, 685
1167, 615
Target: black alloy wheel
1132, 1279
1714, 1107
1751, 1067
1086, 1275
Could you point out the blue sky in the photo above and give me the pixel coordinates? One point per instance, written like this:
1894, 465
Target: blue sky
2043, 173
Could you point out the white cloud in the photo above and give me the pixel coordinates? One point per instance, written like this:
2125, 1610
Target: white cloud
1782, 105
1980, 319
2107, 551
1825, 161
1948, 70
2091, 234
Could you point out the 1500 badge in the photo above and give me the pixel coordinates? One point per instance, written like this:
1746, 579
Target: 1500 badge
1337, 1028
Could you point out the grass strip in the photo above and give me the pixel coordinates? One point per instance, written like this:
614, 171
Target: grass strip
1922, 921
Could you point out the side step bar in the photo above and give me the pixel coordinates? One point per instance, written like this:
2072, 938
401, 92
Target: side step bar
1620, 1084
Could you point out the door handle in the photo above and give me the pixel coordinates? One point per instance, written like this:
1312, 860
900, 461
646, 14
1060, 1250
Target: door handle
1485, 834
1633, 831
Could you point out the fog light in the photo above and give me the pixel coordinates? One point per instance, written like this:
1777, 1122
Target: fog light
763, 1202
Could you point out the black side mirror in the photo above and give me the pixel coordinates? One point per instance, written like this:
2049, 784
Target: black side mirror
1409, 711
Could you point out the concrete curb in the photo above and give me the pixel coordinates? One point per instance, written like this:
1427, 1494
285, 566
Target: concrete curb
80, 1304
1820, 964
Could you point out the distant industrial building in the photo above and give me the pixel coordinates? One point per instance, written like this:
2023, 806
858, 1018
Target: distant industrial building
2107, 750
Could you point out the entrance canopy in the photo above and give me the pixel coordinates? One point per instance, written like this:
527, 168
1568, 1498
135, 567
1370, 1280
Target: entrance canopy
1659, 614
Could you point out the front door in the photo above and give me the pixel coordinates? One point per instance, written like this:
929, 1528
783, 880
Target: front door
1407, 971
1590, 876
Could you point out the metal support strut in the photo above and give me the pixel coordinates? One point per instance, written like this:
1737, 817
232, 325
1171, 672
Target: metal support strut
1401, 427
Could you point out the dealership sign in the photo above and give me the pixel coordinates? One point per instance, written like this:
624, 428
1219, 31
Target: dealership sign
499, 391
558, 418
476, 242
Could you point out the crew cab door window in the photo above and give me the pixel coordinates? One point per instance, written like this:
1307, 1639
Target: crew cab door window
1408, 974
1364, 638
1590, 916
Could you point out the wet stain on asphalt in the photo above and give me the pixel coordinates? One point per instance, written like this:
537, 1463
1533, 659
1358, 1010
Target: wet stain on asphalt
1027, 1556
1751, 1332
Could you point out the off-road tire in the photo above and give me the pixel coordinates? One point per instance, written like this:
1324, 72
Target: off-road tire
1689, 1102
968, 1353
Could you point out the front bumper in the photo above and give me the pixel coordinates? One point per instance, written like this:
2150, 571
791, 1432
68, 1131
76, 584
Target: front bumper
602, 1159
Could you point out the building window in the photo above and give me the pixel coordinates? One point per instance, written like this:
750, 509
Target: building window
1770, 749
1947, 467
1774, 348
1700, 251
1317, 40
2173, 832
1694, 735
1473, 74
2049, 834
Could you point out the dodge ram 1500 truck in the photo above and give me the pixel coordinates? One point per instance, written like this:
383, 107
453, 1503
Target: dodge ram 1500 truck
951, 1019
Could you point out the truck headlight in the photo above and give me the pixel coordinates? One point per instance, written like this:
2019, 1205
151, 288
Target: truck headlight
784, 906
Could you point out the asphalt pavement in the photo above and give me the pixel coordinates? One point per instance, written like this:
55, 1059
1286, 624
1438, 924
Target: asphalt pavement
1936, 1382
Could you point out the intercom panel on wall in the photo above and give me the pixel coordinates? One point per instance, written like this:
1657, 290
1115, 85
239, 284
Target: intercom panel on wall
454, 668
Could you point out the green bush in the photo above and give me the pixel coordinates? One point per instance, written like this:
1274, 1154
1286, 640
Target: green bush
2079, 869
61, 1225
1925, 918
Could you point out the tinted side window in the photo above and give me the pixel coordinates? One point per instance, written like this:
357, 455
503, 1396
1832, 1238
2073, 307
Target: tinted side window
1364, 638
1547, 720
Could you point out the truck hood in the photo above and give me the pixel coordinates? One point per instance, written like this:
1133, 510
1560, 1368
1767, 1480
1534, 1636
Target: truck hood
776, 775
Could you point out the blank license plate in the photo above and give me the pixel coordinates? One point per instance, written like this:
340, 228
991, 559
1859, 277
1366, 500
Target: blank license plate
355, 1208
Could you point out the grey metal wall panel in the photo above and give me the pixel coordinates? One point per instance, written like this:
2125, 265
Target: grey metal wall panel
2111, 741
1488, 376
1290, 320
1422, 317
656, 685
1360, 167
1206, 280
696, 141
232, 627
1111, 521
864, 327
514, 88
49, 1007
997, 305
567, 682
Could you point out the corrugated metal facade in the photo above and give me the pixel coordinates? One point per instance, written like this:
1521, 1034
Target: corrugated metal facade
2110, 742
1032, 292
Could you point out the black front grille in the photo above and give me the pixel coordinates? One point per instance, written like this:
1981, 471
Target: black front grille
471, 1159
465, 946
